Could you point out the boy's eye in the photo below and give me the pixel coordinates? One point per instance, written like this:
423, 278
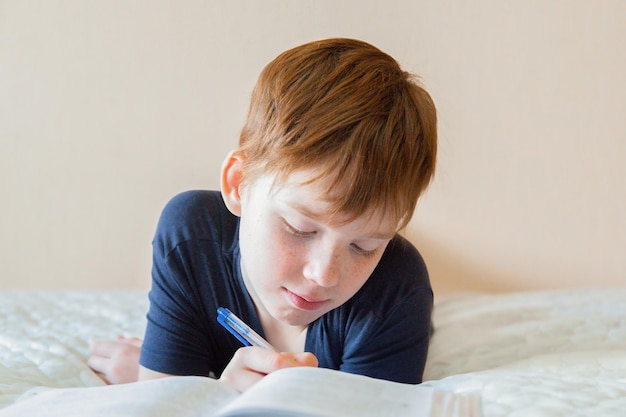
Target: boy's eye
294, 231
360, 251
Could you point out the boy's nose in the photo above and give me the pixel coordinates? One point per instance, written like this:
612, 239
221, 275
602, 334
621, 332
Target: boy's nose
323, 268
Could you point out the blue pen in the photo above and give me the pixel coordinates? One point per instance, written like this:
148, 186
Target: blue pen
241, 330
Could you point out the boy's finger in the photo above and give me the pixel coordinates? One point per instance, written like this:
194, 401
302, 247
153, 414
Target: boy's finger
257, 359
104, 348
241, 380
306, 359
134, 341
97, 363
260, 360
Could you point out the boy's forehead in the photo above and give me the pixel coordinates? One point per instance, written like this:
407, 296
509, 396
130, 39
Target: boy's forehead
313, 197
306, 191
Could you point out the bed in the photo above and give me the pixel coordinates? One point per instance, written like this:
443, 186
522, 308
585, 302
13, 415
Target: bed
550, 353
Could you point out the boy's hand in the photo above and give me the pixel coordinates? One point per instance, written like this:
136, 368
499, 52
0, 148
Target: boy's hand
116, 362
250, 364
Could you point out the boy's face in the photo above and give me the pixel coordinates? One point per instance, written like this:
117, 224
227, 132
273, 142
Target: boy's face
297, 265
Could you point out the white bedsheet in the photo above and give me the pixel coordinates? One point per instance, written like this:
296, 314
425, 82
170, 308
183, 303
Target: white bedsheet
45, 336
560, 353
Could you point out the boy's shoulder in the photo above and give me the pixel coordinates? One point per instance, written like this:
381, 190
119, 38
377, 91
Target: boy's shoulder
193, 208
191, 200
400, 276
196, 215
402, 259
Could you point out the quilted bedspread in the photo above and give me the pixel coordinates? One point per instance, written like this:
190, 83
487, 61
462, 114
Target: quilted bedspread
45, 336
560, 353
553, 353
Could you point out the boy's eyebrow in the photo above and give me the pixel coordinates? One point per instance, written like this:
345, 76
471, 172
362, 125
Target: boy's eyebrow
307, 212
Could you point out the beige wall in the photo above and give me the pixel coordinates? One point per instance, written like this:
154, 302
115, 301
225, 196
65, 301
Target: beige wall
108, 108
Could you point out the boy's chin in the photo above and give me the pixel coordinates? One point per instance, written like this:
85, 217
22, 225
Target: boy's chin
296, 317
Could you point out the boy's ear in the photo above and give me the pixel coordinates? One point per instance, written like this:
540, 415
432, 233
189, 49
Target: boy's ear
231, 181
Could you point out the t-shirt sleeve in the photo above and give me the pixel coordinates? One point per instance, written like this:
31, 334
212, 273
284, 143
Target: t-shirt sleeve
178, 334
172, 341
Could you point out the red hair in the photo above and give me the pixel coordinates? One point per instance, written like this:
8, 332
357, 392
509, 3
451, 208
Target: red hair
348, 111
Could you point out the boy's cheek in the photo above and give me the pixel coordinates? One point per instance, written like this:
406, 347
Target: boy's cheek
282, 250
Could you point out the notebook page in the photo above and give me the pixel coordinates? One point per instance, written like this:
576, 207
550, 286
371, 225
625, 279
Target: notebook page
171, 396
323, 392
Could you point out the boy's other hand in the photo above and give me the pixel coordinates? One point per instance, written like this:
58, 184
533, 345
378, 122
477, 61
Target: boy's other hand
116, 361
250, 364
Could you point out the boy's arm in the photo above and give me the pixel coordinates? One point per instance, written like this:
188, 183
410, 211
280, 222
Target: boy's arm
395, 348
146, 374
389, 332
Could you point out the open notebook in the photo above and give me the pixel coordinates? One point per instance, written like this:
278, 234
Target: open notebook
293, 392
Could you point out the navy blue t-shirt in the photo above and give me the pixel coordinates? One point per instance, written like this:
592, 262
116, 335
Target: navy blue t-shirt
382, 331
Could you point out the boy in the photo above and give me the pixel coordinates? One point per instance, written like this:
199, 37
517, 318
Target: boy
302, 241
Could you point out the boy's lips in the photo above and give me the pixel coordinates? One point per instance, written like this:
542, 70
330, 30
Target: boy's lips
304, 302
